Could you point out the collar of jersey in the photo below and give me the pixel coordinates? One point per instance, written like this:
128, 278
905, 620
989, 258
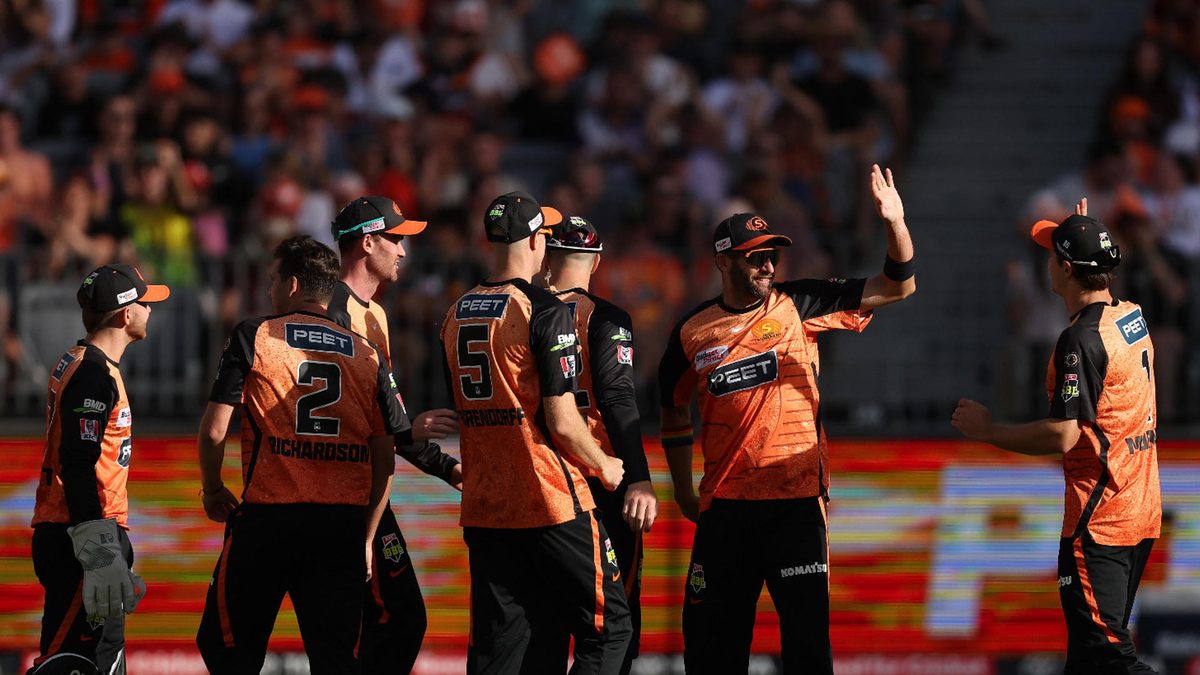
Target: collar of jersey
743, 310
497, 284
87, 345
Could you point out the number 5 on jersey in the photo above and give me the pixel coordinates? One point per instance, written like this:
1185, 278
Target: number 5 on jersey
474, 388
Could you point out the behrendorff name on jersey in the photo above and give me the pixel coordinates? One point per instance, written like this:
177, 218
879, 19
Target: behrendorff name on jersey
319, 450
481, 306
492, 417
314, 338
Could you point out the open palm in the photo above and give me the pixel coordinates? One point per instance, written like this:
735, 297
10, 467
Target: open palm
887, 199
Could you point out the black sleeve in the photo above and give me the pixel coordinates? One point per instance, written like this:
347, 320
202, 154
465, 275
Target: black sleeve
391, 405
672, 368
818, 297
610, 352
555, 345
426, 456
86, 403
235, 364
336, 310
1080, 363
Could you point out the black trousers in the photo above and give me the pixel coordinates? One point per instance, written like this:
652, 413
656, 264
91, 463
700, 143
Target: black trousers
1097, 584
66, 628
394, 618
549, 645
739, 545
522, 579
316, 554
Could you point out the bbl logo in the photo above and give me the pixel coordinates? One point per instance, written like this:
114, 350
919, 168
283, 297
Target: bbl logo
609, 553
392, 550
696, 579
1070, 388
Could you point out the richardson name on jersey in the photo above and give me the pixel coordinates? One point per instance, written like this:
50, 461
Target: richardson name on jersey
492, 417
319, 450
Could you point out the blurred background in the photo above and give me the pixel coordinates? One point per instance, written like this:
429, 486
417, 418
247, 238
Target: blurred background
189, 136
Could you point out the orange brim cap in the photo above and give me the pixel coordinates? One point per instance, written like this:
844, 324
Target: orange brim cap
1041, 233
408, 227
155, 293
551, 216
757, 242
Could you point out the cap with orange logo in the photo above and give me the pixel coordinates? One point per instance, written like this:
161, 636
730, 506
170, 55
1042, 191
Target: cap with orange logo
370, 215
745, 232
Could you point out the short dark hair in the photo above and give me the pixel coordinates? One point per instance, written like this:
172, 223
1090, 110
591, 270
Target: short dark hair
94, 321
1090, 278
314, 265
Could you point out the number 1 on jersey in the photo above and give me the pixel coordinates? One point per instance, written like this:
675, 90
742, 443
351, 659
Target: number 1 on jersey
474, 389
1146, 362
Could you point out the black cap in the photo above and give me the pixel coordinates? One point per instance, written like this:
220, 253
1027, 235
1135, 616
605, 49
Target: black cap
745, 232
371, 214
515, 216
1080, 240
575, 234
116, 286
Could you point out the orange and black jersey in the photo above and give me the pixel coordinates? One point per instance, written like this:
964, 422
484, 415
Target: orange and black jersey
754, 371
89, 441
312, 394
368, 319
606, 394
508, 345
364, 317
1101, 374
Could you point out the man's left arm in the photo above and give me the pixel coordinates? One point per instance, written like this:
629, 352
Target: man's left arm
610, 351
898, 279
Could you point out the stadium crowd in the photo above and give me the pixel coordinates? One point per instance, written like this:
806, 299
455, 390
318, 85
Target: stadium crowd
189, 136
1140, 177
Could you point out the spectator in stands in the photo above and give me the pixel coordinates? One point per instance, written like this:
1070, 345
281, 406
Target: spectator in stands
160, 233
26, 183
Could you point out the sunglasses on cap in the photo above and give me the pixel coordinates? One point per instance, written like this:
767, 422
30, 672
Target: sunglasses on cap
760, 256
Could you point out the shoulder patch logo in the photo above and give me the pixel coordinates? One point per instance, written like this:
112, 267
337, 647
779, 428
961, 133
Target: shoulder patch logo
625, 355
89, 430
1133, 327
1070, 388
1071, 360
568, 366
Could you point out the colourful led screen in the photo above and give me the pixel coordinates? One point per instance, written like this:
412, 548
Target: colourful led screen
937, 547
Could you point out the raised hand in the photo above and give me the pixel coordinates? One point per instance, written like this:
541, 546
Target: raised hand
887, 199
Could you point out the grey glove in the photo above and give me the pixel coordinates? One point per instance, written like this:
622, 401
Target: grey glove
109, 587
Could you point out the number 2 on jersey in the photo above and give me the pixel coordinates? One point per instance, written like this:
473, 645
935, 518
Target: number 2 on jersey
306, 421
474, 389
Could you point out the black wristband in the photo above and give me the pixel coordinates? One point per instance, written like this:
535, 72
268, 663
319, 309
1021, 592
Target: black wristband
899, 271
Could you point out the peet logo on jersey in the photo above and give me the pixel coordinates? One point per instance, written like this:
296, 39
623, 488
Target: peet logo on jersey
1133, 326
314, 338
480, 306
89, 430
710, 357
61, 368
1070, 388
744, 374
125, 452
124, 418
564, 341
